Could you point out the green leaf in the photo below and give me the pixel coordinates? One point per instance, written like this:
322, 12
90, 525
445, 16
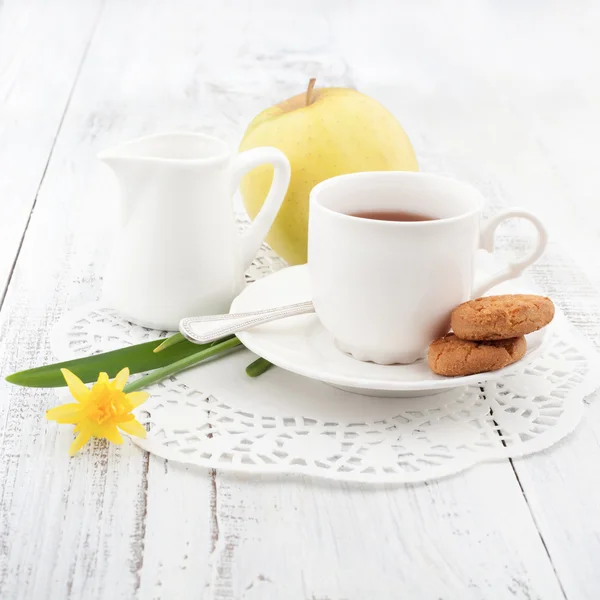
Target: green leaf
138, 358
176, 338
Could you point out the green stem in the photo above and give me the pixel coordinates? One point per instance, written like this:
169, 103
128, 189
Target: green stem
176, 338
180, 365
258, 367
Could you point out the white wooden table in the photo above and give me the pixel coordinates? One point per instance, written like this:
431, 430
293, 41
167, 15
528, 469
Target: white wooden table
503, 95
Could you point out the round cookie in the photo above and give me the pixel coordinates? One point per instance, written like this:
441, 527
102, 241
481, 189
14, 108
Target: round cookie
452, 357
501, 317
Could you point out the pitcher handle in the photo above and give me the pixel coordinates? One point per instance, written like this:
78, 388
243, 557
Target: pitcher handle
246, 161
514, 269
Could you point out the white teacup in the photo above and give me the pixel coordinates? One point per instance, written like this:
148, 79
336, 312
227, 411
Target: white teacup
385, 289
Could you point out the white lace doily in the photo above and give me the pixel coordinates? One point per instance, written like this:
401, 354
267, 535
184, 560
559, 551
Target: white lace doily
215, 416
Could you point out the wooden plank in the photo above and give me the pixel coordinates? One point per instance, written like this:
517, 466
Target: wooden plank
179, 532
68, 528
470, 537
561, 484
42, 46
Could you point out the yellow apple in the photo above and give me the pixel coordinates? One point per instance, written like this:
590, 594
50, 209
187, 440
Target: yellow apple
323, 132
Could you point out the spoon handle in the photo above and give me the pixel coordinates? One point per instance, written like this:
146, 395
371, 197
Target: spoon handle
201, 330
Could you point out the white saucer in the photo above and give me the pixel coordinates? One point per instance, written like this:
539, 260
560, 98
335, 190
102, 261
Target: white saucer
301, 345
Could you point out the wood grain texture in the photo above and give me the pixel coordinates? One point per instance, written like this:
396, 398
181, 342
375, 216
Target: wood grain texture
42, 47
466, 537
562, 485
498, 95
179, 532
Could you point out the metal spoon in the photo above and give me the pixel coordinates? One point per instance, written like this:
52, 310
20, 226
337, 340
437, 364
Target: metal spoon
201, 330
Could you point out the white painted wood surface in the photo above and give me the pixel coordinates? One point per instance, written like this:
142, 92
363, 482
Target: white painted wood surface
504, 95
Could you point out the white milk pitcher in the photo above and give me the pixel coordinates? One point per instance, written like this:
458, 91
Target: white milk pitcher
179, 252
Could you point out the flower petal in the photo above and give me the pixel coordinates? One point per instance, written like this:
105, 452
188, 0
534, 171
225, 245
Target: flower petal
78, 389
102, 378
133, 428
80, 441
121, 379
66, 413
136, 398
123, 418
63, 410
112, 435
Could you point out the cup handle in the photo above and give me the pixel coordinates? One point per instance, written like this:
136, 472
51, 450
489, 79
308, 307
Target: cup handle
253, 237
514, 269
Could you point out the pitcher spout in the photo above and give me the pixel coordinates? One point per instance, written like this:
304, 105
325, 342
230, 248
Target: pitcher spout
112, 160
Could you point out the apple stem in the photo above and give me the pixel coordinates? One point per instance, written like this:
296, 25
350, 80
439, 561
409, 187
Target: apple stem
309, 90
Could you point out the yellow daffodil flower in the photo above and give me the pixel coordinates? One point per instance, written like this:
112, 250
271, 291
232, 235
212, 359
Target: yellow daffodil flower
101, 411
